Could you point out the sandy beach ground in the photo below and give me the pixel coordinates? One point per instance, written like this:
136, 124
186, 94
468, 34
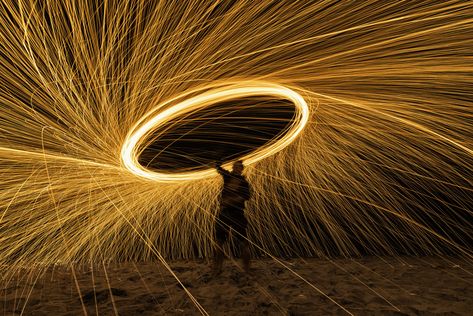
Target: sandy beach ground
362, 286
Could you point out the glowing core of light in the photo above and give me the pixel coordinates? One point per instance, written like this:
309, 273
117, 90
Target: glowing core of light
148, 123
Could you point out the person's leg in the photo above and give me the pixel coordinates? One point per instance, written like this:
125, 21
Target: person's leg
245, 255
221, 235
219, 257
240, 229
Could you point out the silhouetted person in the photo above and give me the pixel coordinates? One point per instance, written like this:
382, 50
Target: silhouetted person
235, 192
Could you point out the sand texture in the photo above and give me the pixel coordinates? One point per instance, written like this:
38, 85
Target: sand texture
364, 286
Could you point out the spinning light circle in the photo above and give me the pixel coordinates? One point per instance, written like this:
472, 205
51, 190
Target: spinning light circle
157, 117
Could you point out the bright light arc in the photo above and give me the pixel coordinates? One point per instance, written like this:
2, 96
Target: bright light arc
150, 122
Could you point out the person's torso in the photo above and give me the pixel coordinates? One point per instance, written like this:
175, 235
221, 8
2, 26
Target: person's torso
235, 191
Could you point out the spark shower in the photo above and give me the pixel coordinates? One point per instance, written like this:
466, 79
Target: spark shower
378, 159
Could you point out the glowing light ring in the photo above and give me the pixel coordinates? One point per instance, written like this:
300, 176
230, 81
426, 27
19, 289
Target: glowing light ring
148, 123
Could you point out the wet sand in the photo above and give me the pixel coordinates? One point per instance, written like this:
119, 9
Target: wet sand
363, 286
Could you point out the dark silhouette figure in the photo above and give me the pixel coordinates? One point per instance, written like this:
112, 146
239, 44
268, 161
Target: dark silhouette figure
235, 192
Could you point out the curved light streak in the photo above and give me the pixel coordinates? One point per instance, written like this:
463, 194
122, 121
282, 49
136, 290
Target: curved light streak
139, 132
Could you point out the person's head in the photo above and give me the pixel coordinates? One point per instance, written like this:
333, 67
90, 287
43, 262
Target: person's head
237, 167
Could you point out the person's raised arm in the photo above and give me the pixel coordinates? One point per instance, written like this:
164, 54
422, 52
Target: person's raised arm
220, 170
